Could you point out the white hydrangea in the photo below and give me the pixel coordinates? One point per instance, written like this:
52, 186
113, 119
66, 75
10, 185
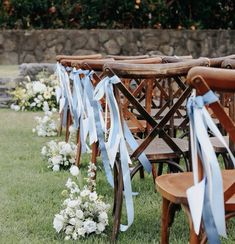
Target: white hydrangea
38, 87
57, 153
46, 125
83, 213
56, 168
89, 226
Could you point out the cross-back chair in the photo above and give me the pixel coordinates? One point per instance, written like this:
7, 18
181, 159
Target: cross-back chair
173, 187
97, 65
164, 149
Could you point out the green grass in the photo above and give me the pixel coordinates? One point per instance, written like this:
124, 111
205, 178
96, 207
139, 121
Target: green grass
30, 194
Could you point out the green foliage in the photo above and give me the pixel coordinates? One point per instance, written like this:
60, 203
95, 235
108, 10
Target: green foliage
46, 14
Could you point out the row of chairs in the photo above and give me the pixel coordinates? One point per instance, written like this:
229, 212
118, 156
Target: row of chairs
154, 121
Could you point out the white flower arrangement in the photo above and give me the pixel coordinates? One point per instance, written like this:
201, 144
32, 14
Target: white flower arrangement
59, 155
46, 125
83, 212
30, 95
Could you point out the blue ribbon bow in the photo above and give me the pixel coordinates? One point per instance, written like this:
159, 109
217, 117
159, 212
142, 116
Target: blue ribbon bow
209, 192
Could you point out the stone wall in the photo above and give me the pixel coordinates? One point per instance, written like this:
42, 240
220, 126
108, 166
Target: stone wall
21, 46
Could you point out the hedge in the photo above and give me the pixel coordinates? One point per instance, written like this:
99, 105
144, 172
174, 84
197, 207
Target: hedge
44, 14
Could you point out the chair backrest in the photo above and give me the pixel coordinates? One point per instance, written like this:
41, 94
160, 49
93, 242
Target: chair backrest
228, 63
204, 79
89, 56
152, 71
206, 171
123, 57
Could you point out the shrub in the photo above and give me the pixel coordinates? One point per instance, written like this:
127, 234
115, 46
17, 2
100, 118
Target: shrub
117, 14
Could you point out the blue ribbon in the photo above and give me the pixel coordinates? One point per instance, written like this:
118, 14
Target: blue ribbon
213, 205
62, 95
116, 142
88, 86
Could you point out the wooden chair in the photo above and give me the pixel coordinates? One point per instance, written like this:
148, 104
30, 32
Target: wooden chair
157, 150
78, 57
62, 60
173, 187
97, 66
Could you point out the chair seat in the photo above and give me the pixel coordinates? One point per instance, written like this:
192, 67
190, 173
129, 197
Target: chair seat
134, 128
218, 146
173, 186
158, 149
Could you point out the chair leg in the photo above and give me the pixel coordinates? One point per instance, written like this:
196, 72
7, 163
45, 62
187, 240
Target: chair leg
142, 173
154, 172
61, 124
69, 122
160, 169
194, 238
118, 203
165, 221
115, 179
78, 155
94, 150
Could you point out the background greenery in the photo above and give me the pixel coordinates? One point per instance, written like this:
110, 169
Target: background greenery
202, 14
30, 193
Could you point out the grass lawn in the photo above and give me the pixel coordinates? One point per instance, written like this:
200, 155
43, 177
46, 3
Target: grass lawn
30, 194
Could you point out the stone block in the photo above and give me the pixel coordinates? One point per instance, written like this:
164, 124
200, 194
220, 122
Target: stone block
166, 49
9, 58
83, 52
112, 47
104, 36
9, 45
29, 58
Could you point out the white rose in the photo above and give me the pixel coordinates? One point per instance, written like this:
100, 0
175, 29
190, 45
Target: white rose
74, 170
12, 106
47, 95
72, 203
89, 226
67, 238
69, 230
56, 159
72, 221
66, 149
56, 168
81, 232
72, 160
16, 108
75, 236
58, 222
100, 227
40, 97
93, 196
70, 212
103, 217
79, 214
84, 193
79, 224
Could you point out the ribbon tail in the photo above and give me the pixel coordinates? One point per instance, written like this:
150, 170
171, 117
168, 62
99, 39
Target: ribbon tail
195, 196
